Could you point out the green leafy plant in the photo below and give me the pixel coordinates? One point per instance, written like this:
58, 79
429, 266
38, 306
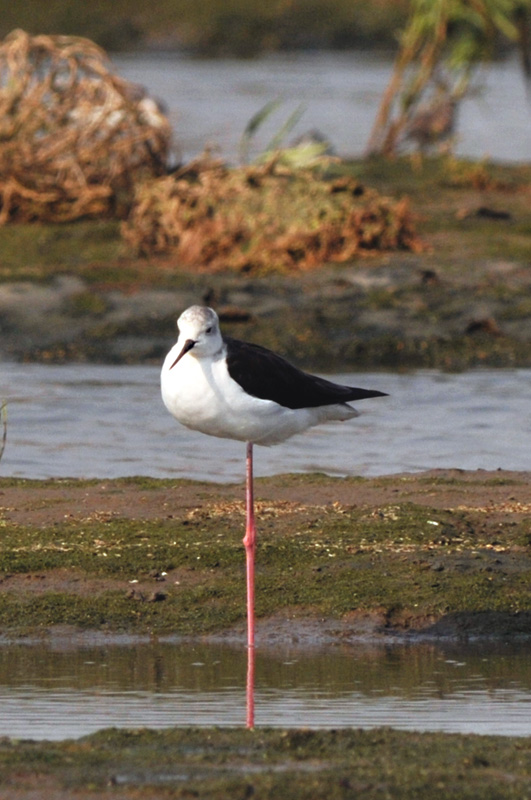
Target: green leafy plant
256, 122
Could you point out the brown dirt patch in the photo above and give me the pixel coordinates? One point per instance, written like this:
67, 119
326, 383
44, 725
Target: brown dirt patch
499, 495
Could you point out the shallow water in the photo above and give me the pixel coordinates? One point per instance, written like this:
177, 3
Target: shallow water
210, 101
83, 420
57, 693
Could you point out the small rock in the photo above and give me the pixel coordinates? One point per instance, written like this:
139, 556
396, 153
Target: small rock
134, 594
157, 597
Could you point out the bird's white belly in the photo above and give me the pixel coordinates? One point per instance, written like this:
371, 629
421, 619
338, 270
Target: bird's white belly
201, 395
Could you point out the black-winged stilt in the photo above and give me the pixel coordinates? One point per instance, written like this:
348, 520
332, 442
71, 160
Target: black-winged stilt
236, 390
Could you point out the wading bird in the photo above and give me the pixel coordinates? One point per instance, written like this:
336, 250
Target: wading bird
236, 390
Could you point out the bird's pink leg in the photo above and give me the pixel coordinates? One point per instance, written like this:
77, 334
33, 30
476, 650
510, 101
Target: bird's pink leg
249, 542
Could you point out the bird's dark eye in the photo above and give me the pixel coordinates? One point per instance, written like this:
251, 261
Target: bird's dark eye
209, 330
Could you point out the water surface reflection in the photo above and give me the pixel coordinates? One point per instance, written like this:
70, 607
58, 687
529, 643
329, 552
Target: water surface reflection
51, 692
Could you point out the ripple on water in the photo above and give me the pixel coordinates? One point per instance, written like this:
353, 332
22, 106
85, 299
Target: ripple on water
109, 422
54, 692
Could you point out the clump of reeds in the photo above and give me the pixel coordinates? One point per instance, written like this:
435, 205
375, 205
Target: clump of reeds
263, 217
74, 137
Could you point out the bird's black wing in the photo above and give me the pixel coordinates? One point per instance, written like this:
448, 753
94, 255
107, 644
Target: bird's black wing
264, 374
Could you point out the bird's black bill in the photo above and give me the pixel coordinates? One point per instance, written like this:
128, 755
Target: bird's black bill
189, 343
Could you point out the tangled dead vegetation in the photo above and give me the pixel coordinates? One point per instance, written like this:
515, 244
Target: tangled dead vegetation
257, 218
74, 137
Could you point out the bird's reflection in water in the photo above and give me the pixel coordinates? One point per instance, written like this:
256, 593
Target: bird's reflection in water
250, 687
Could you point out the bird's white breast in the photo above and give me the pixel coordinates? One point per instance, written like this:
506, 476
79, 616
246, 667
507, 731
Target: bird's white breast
201, 395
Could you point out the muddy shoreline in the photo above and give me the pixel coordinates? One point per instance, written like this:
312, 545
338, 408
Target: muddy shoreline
77, 293
456, 545
481, 522
391, 316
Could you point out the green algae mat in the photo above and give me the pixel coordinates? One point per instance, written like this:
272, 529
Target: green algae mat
296, 764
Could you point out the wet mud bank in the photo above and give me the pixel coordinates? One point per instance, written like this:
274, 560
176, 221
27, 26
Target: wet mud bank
388, 316
439, 554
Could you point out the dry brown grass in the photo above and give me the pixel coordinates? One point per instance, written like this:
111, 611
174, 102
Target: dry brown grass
264, 217
74, 137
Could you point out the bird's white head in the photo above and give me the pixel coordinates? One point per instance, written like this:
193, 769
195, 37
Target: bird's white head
199, 333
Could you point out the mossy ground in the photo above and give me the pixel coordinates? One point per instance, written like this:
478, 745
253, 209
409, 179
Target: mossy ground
409, 563
299, 764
